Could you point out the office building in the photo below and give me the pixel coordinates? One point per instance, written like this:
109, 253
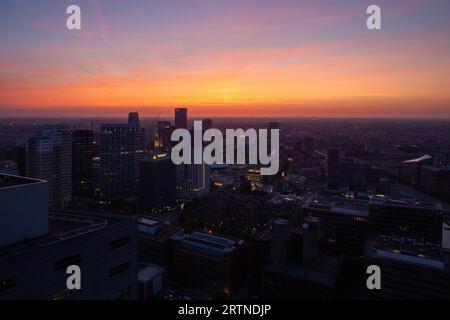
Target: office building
36, 248
299, 270
157, 181
181, 118
82, 155
410, 269
121, 150
344, 223
164, 134
405, 217
49, 158
155, 244
214, 264
193, 180
24, 212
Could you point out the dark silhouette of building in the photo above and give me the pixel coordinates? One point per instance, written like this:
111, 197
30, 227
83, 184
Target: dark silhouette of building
121, 150
155, 240
410, 269
165, 130
41, 246
214, 264
403, 217
49, 158
344, 224
157, 181
82, 155
133, 118
181, 118
300, 271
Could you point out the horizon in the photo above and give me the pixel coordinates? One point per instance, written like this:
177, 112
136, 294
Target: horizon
284, 59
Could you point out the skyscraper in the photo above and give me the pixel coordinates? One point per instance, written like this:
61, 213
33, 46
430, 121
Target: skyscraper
133, 118
157, 181
192, 180
181, 118
121, 149
164, 134
49, 158
82, 155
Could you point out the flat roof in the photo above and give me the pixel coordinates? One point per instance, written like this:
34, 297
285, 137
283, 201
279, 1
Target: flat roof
215, 244
8, 181
340, 205
406, 251
62, 226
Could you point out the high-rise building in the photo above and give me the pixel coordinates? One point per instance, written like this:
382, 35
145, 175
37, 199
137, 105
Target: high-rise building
37, 247
164, 135
157, 181
133, 118
181, 118
193, 180
49, 158
121, 150
82, 155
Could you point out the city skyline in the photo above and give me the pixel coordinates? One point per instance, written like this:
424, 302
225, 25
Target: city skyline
283, 59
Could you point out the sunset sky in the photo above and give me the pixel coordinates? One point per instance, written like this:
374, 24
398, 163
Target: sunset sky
283, 58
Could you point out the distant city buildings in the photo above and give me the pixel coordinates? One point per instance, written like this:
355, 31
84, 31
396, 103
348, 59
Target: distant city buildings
49, 158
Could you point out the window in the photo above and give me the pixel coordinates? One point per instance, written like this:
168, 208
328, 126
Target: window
64, 263
6, 284
119, 243
119, 269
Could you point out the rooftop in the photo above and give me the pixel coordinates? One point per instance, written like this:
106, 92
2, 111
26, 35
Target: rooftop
214, 244
408, 251
404, 202
62, 226
340, 205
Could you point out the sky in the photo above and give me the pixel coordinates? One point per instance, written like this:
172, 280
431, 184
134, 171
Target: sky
234, 58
